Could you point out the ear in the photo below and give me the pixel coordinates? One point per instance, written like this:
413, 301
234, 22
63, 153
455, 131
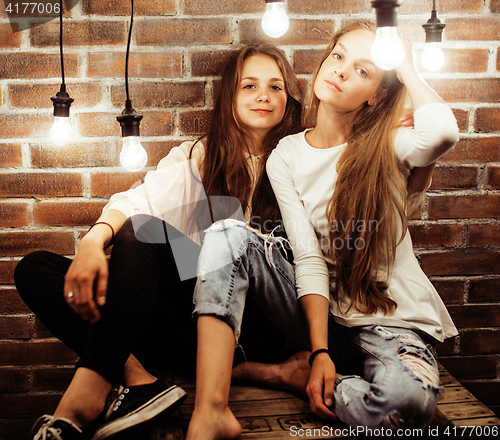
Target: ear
375, 99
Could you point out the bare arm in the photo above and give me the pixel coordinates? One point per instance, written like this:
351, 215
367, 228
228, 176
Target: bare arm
322, 379
90, 267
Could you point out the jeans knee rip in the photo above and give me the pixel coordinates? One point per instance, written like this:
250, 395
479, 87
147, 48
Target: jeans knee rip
424, 371
270, 240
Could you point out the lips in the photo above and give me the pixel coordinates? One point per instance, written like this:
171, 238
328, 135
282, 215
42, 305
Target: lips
333, 85
261, 111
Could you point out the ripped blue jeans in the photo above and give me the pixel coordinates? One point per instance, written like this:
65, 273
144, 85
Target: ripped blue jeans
390, 374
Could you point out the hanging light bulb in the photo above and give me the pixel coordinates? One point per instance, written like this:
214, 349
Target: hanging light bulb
387, 51
433, 58
133, 155
61, 132
275, 21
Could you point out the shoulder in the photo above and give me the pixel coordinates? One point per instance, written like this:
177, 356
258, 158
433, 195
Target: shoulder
288, 146
183, 153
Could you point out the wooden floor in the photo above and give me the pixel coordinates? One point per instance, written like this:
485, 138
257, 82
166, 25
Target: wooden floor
269, 414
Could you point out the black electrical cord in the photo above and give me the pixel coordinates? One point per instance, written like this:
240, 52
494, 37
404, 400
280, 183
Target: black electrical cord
61, 40
128, 52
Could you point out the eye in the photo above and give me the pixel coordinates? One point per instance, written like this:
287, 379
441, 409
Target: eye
337, 56
277, 88
362, 72
249, 86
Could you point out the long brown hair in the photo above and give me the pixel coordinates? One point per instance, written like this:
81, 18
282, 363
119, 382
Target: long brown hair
225, 170
369, 197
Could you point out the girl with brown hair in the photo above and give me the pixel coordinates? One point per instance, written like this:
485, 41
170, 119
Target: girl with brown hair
357, 297
138, 308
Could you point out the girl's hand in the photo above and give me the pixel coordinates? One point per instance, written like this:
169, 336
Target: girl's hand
408, 120
320, 386
88, 269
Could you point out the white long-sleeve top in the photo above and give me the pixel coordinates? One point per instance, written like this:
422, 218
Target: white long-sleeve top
303, 177
171, 191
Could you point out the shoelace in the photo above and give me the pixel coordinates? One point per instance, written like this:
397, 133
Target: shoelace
48, 432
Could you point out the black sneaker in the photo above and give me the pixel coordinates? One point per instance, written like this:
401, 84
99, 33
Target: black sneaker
49, 428
139, 404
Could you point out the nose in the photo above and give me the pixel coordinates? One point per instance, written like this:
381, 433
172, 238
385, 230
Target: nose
263, 95
341, 73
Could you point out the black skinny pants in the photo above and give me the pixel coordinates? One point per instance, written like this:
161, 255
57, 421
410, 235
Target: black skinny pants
147, 311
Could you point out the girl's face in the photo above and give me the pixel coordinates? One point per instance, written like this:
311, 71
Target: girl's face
261, 96
348, 78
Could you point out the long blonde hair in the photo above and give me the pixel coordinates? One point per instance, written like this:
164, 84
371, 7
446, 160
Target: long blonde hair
370, 190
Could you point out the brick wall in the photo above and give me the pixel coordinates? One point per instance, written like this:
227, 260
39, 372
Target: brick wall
50, 194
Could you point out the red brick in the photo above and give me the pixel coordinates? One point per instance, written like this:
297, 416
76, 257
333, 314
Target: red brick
183, 31
194, 122
122, 7
460, 263
156, 123
22, 243
14, 327
467, 90
458, 177
52, 378
460, 61
443, 6
446, 348
41, 184
38, 95
84, 33
215, 7
13, 214
76, 155
13, 381
450, 291
484, 235
208, 63
433, 235
10, 36
10, 155
36, 352
460, 29
7, 271
474, 150
99, 124
462, 117
480, 341
19, 125
306, 60
12, 303
36, 65
107, 184
158, 150
473, 316
325, 7
141, 65
301, 32
487, 120
470, 367
161, 95
67, 213
22, 405
474, 206
484, 290
493, 177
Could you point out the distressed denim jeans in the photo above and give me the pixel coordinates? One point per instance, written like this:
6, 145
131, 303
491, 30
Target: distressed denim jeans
400, 382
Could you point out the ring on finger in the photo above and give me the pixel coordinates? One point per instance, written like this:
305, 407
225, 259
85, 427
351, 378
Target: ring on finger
71, 294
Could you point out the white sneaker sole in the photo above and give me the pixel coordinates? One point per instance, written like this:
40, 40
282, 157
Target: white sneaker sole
144, 413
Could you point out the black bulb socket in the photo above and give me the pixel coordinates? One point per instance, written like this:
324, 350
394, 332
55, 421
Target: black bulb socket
129, 121
433, 29
387, 12
274, 1
62, 102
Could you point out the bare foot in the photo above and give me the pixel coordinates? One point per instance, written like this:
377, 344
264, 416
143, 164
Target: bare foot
213, 424
293, 374
135, 374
